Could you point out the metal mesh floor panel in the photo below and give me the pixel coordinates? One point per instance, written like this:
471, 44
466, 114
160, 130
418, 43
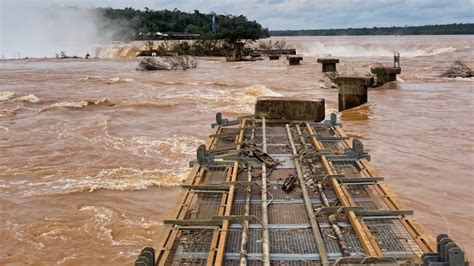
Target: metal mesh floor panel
347, 168
393, 238
287, 214
215, 175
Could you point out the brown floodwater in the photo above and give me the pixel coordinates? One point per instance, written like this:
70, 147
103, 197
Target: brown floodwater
91, 151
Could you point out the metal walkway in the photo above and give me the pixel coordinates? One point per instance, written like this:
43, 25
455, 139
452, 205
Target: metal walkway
335, 210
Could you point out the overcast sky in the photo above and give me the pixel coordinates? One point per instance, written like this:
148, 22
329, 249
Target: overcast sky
306, 14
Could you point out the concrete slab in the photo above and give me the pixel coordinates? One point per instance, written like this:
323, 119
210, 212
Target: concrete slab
286, 108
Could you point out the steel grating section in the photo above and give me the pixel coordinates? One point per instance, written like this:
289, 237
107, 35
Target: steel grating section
204, 206
287, 214
215, 175
393, 238
348, 168
292, 241
255, 210
276, 193
274, 138
367, 196
313, 167
281, 174
334, 146
230, 262
223, 141
285, 161
253, 243
350, 239
277, 148
324, 218
191, 247
291, 238
324, 131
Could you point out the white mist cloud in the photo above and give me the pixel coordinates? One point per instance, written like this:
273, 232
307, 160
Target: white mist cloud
34, 29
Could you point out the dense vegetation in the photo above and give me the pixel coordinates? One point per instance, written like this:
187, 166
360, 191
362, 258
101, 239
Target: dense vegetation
132, 22
448, 29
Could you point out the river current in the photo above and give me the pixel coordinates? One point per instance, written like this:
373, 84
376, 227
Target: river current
91, 151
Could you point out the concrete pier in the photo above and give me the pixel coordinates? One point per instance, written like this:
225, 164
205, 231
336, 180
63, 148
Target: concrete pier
385, 74
294, 59
329, 64
274, 57
290, 108
236, 53
352, 91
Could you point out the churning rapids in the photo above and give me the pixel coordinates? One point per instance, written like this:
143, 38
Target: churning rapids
91, 151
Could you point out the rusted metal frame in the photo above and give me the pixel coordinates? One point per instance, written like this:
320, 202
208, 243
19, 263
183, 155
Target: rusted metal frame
362, 231
365, 237
216, 233
389, 197
300, 135
344, 135
193, 222
265, 231
210, 141
197, 174
225, 225
336, 229
217, 188
173, 232
309, 208
316, 144
424, 241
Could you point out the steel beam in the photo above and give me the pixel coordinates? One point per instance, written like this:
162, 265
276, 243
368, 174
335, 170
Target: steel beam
309, 208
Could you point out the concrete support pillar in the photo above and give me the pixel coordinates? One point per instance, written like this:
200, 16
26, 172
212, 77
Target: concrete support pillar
329, 64
294, 59
285, 108
385, 74
274, 57
352, 91
236, 52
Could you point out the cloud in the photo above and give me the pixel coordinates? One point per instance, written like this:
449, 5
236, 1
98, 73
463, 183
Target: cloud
35, 29
310, 14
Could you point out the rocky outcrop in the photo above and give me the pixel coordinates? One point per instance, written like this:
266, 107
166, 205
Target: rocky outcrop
458, 69
148, 64
167, 63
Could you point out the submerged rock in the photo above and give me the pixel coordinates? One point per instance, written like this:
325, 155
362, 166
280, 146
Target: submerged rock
167, 63
458, 69
148, 64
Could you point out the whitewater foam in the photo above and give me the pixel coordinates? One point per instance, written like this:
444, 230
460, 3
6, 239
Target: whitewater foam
31, 98
6, 95
106, 80
342, 49
78, 104
118, 179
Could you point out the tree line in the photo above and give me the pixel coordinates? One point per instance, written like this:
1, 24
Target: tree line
446, 29
131, 22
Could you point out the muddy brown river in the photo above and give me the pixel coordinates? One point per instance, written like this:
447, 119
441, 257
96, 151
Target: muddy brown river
91, 151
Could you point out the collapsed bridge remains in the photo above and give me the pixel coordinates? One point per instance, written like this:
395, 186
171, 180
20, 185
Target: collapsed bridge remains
275, 189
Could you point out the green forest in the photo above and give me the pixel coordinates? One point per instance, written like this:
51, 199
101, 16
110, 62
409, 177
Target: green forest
447, 29
132, 22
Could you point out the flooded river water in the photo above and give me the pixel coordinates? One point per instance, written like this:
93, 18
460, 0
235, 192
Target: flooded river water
91, 150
